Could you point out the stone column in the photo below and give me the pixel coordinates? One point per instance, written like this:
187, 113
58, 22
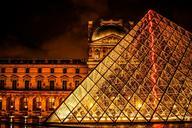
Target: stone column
4, 103
17, 103
30, 103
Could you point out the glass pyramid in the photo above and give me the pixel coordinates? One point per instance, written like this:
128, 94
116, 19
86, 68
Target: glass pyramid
147, 77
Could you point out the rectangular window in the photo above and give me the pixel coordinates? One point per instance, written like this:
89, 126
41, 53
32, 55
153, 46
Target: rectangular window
2, 70
26, 84
64, 85
52, 84
10, 103
77, 70
14, 70
27, 70
2, 84
14, 84
39, 84
76, 83
64, 70
52, 70
39, 70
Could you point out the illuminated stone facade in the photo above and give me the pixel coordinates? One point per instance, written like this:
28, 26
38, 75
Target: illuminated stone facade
34, 88
103, 38
146, 77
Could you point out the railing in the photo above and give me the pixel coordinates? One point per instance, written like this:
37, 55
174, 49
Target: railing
41, 61
5, 89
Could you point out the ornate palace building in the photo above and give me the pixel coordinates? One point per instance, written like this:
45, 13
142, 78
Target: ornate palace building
103, 38
32, 88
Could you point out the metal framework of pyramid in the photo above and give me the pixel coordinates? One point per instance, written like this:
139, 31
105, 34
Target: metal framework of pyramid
147, 77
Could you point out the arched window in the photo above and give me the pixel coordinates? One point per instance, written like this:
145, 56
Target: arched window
23, 104
14, 80
77, 79
37, 104
27, 80
39, 81
52, 80
65, 80
10, 103
2, 81
50, 105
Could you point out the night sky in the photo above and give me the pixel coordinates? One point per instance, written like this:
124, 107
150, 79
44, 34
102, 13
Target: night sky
34, 29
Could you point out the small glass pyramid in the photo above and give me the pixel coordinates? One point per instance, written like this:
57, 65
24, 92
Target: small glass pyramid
147, 77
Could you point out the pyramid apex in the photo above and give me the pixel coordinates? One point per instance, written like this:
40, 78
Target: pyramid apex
150, 11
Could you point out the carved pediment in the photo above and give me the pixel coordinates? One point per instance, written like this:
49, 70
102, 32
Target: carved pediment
64, 77
26, 77
3, 77
108, 40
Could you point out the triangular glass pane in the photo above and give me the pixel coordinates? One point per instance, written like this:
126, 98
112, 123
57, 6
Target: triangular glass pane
88, 102
139, 118
54, 118
115, 68
88, 118
122, 118
71, 119
101, 68
162, 111
111, 92
156, 118
120, 102
119, 49
87, 84
113, 55
190, 108
113, 112
126, 92
95, 76
62, 112
167, 101
182, 100
172, 117
96, 112
151, 101
95, 92
186, 90
71, 102
146, 111
108, 62
79, 112
130, 112
105, 118
188, 117
136, 101
124, 43
178, 111
124, 76
80, 92
104, 102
